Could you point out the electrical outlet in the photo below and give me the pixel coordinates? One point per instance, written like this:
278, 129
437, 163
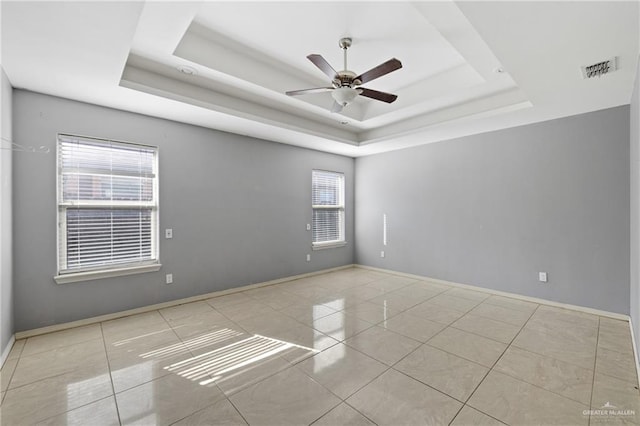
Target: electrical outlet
168, 233
169, 278
382, 253
542, 277
308, 227
308, 258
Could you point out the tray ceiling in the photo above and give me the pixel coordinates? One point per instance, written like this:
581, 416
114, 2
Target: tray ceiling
468, 67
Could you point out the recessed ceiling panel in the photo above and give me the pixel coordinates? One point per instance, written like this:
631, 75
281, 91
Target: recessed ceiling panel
434, 76
289, 31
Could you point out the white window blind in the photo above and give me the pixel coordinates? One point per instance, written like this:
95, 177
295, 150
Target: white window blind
328, 207
107, 204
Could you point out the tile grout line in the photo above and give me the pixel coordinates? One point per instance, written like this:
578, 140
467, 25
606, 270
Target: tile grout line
358, 389
222, 393
426, 343
358, 411
344, 400
192, 354
456, 355
489, 369
201, 297
593, 381
340, 401
430, 386
419, 381
22, 348
498, 319
6, 391
148, 381
480, 335
113, 388
295, 366
36, 381
493, 366
81, 406
627, 331
236, 408
546, 356
540, 387
365, 385
495, 292
388, 367
36, 354
557, 359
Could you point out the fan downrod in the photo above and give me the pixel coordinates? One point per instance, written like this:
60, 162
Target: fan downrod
345, 78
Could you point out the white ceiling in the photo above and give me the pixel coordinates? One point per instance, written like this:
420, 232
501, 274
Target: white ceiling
247, 54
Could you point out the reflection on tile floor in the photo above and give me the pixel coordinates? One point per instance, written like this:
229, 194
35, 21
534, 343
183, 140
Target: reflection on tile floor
353, 347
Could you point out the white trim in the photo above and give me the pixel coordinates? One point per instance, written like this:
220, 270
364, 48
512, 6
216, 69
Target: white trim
592, 311
340, 207
635, 349
328, 245
113, 141
92, 204
63, 207
327, 207
93, 320
105, 273
58, 327
5, 354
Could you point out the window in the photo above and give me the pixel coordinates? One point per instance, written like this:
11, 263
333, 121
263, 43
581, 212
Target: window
107, 208
328, 209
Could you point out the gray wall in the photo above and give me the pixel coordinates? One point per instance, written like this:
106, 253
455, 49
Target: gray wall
238, 208
6, 280
494, 209
634, 161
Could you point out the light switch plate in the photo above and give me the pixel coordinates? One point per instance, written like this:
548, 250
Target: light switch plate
168, 233
542, 277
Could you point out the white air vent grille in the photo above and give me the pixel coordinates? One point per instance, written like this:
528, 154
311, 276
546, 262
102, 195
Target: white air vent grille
599, 69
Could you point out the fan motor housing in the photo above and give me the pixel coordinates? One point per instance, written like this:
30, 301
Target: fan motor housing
346, 78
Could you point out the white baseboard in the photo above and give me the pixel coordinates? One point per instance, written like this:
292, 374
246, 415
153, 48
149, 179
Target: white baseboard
93, 320
599, 312
635, 349
116, 315
5, 354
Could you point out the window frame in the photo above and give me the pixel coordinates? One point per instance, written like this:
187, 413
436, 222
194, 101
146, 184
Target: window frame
341, 242
64, 275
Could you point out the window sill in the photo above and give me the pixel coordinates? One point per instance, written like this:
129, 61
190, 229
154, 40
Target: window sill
106, 273
332, 244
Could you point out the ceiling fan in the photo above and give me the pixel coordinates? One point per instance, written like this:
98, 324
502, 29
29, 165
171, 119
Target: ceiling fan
345, 84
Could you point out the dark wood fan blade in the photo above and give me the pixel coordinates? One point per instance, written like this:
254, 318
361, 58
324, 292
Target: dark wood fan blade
308, 91
324, 66
382, 69
377, 95
336, 107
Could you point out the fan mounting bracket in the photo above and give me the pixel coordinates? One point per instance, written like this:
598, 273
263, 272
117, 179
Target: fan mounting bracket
345, 43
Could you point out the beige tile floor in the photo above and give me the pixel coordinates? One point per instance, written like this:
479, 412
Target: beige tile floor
352, 347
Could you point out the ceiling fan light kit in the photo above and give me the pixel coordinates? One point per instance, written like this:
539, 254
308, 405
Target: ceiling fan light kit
345, 84
344, 95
